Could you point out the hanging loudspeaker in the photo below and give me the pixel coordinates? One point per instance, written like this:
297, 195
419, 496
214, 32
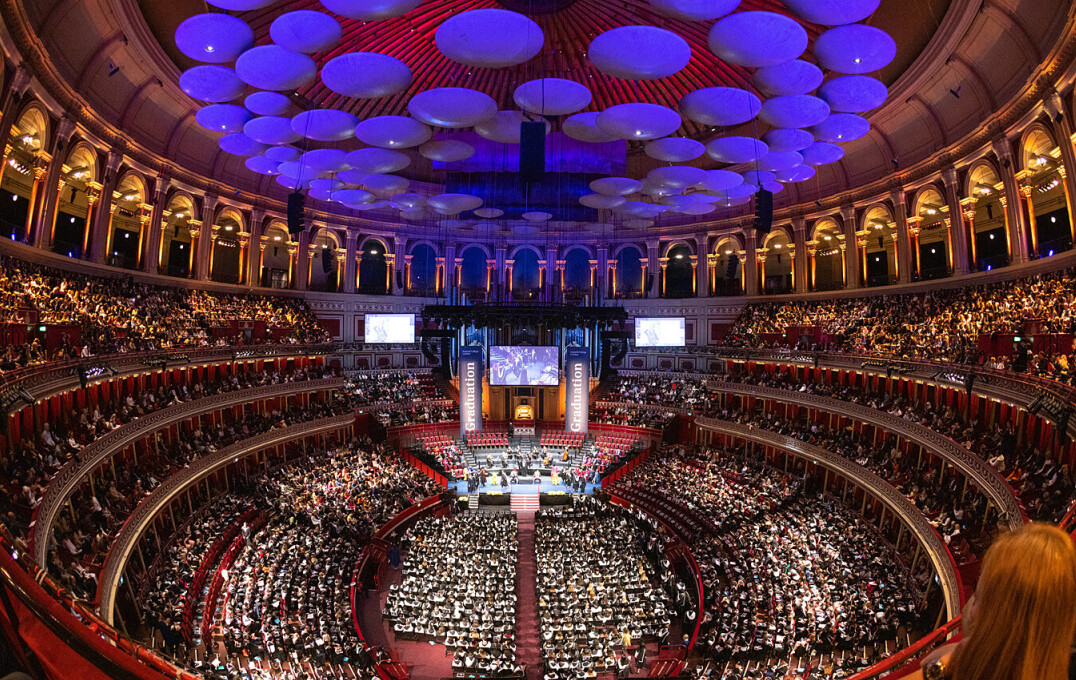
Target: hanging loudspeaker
763, 211
296, 205
532, 149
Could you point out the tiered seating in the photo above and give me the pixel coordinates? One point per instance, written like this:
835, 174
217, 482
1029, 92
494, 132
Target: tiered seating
442, 449
206, 566
562, 439
170, 601
480, 440
209, 609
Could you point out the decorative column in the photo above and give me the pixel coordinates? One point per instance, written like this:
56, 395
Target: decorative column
508, 265
958, 232
40, 170
799, 261
244, 241
407, 273
711, 273
214, 234
194, 230
1014, 216
603, 271
293, 265
251, 274
550, 272
653, 262
145, 210
202, 256
664, 264
341, 267
904, 257
967, 211
399, 246
303, 256
54, 182
701, 265
914, 226
1023, 179
812, 258
491, 266
760, 263
851, 261
1063, 132
351, 261
102, 224
12, 100
449, 281
748, 263
151, 258
499, 270
561, 266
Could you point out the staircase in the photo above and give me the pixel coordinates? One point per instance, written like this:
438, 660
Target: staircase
527, 643
525, 503
472, 502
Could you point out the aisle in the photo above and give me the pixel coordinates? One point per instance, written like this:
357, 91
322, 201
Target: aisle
527, 650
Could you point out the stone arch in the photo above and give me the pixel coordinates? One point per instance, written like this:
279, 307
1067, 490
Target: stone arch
678, 242
424, 241
515, 252
577, 246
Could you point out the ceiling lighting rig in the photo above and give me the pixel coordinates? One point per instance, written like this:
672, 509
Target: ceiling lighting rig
807, 64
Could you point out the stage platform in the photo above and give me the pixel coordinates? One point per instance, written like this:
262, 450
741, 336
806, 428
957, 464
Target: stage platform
528, 489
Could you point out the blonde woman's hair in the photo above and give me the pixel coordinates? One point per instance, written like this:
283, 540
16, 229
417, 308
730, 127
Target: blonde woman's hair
1024, 615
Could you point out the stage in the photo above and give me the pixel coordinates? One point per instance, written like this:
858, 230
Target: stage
523, 489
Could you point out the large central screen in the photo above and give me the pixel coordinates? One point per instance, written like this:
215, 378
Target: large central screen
660, 332
524, 366
390, 328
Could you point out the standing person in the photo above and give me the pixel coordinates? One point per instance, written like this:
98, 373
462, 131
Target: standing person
1021, 621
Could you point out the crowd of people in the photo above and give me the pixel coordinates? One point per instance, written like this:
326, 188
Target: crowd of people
33, 460
285, 602
101, 508
459, 589
941, 324
110, 315
1044, 485
786, 573
599, 589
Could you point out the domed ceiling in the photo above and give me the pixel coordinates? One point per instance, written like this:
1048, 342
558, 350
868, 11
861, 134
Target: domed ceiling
650, 74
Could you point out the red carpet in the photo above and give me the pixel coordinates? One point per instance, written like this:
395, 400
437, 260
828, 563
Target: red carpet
527, 650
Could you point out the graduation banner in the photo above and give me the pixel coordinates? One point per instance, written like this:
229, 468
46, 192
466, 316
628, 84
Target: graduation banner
577, 389
471, 361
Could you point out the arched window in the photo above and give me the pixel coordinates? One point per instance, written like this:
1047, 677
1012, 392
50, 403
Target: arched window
1046, 206
176, 253
679, 275
373, 268
276, 264
227, 252
576, 274
423, 271
778, 266
129, 215
473, 273
16, 186
526, 278
324, 268
728, 272
880, 264
629, 274
828, 267
990, 240
933, 237
70, 231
